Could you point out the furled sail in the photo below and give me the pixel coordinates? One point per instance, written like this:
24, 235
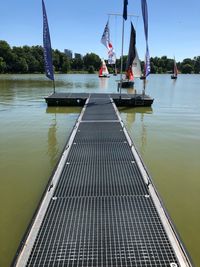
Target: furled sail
175, 69
131, 52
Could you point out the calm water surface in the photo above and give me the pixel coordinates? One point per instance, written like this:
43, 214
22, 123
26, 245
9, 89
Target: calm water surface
32, 137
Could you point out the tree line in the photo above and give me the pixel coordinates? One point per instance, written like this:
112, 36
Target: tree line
30, 59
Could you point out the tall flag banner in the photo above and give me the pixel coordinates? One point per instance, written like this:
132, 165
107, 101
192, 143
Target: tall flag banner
47, 46
145, 19
132, 52
105, 40
111, 55
147, 63
125, 9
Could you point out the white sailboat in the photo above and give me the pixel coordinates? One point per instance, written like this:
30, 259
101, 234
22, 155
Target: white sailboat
103, 72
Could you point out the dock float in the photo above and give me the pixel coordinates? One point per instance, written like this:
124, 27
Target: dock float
79, 99
101, 207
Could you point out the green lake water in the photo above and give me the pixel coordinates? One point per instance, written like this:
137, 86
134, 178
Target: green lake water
32, 137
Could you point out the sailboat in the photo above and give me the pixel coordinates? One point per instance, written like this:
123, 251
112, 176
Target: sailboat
103, 72
175, 74
133, 66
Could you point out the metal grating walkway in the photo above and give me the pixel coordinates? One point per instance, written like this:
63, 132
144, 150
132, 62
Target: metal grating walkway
101, 212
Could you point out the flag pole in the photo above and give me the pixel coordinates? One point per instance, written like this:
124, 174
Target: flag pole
123, 19
122, 57
144, 86
54, 87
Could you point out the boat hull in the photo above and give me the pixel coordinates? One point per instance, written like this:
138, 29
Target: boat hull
127, 84
104, 76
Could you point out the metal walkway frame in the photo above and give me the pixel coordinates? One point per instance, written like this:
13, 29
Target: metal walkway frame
101, 208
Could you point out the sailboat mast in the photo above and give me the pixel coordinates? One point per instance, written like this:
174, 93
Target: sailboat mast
175, 68
122, 55
124, 17
144, 86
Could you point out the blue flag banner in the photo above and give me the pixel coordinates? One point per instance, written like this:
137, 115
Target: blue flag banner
147, 62
47, 46
125, 9
145, 17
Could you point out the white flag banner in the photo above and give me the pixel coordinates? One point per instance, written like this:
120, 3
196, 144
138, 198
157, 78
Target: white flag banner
105, 39
111, 55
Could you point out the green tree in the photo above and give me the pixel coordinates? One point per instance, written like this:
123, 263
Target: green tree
197, 64
92, 60
170, 65
5, 51
91, 69
2, 65
38, 54
33, 64
153, 67
56, 60
66, 64
187, 69
77, 64
18, 65
31, 59
188, 61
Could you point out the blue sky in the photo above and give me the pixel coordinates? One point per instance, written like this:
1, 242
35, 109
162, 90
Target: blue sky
174, 26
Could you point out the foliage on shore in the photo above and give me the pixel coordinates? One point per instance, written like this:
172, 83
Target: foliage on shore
29, 59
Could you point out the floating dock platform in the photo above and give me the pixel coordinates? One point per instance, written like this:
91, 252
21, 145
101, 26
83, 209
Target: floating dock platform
79, 99
101, 208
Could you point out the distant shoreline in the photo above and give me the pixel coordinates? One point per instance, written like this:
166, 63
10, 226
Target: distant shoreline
85, 72
30, 60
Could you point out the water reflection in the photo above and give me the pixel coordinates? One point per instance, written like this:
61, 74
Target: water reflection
143, 110
174, 81
143, 134
91, 85
103, 83
63, 110
56, 124
131, 90
138, 115
52, 142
